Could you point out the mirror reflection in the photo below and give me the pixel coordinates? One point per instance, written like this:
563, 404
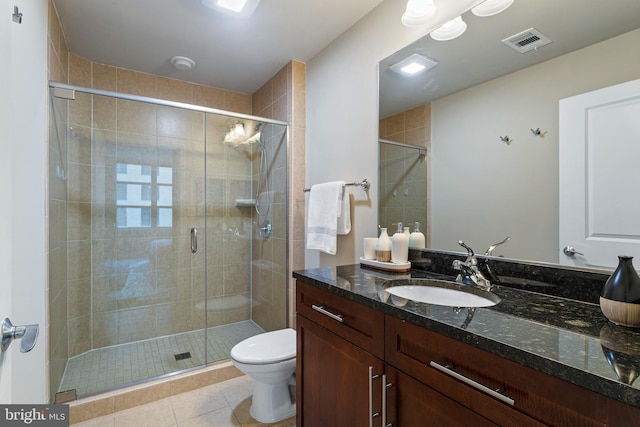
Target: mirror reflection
489, 118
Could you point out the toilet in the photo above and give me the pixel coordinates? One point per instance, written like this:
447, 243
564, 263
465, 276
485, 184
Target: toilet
270, 359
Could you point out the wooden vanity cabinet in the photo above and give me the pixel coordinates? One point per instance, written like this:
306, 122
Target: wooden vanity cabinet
448, 365
347, 351
339, 371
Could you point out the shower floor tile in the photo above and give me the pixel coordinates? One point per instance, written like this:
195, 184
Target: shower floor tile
117, 366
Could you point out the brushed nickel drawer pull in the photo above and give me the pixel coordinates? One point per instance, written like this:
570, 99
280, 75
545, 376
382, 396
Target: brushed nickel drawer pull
370, 390
448, 371
385, 386
326, 312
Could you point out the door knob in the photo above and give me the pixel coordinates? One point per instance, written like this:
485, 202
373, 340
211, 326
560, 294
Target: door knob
571, 251
28, 334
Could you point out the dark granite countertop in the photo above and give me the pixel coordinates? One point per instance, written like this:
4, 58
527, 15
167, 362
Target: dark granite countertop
567, 338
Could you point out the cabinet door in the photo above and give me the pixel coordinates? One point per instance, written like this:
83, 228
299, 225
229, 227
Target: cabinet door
413, 404
333, 380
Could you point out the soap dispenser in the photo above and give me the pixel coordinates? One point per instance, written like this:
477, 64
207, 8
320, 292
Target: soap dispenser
416, 239
383, 246
399, 246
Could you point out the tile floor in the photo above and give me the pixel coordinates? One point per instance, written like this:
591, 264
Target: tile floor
225, 404
112, 367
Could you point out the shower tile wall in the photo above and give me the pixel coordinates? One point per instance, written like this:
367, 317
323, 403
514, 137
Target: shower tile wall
402, 171
281, 98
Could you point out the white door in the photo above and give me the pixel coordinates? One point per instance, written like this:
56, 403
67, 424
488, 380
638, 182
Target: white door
600, 176
23, 172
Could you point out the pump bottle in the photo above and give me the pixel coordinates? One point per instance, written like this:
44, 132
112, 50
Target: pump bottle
416, 239
399, 246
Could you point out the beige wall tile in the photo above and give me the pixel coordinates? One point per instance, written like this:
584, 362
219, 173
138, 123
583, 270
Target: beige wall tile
237, 102
175, 90
263, 97
136, 118
80, 341
282, 83
207, 96
104, 112
136, 83
105, 77
299, 70
79, 71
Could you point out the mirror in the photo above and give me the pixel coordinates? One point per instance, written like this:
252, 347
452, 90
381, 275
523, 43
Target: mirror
492, 164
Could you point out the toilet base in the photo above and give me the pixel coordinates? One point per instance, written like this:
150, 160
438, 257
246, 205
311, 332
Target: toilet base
272, 403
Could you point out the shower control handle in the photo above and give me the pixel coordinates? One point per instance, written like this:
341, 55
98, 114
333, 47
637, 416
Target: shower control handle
194, 240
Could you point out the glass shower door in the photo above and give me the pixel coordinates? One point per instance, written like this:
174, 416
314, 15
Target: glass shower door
135, 189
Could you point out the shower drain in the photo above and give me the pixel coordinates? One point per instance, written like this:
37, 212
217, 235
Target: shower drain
182, 356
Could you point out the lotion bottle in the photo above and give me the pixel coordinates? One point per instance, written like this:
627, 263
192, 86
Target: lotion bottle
399, 246
416, 239
383, 247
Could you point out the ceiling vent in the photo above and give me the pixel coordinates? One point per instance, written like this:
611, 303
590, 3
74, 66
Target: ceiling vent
527, 40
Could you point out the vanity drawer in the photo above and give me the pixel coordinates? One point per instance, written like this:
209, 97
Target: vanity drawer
447, 365
354, 322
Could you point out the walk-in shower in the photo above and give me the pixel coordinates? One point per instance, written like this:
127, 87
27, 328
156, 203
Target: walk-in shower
157, 262
404, 184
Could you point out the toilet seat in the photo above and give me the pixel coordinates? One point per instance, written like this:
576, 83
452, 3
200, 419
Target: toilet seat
266, 348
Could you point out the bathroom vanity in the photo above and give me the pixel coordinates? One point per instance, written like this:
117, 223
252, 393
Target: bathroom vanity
539, 357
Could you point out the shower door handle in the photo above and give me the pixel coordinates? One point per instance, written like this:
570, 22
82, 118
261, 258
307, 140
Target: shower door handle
194, 240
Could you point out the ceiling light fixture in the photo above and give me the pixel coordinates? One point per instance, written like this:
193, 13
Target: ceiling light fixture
183, 63
237, 8
238, 129
491, 7
450, 30
413, 64
418, 12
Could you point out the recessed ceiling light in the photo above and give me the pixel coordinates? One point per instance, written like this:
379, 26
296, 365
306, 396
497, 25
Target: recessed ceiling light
237, 8
413, 64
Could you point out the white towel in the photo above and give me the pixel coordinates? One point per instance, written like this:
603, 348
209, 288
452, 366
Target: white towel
344, 217
329, 215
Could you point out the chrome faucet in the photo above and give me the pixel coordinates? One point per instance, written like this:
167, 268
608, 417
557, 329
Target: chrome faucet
469, 272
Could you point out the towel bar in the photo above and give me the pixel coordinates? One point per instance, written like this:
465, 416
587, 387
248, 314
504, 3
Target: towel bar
365, 184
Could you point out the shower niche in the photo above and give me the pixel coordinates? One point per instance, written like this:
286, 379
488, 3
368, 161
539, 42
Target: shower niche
155, 267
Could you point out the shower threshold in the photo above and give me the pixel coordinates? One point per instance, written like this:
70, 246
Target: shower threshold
117, 366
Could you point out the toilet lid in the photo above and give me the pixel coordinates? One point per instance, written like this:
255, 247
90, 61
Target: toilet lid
268, 347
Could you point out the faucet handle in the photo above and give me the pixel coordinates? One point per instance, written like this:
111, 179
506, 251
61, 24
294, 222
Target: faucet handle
471, 259
491, 248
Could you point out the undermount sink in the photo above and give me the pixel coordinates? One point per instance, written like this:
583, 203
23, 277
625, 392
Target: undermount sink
440, 292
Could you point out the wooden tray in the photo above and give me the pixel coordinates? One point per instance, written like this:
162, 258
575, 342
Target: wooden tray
385, 266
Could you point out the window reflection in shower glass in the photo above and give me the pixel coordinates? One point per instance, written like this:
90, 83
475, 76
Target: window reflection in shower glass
136, 186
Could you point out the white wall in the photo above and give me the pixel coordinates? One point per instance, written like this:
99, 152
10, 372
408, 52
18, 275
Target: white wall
23, 118
342, 113
483, 189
